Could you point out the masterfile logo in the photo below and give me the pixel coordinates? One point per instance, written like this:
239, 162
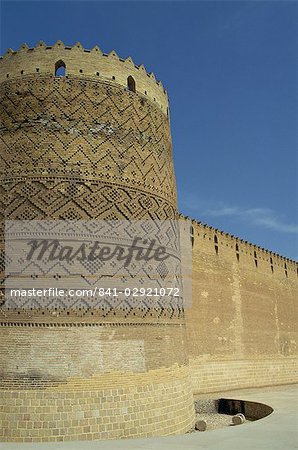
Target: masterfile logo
62, 264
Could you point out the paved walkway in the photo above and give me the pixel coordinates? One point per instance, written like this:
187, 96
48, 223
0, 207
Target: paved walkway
278, 431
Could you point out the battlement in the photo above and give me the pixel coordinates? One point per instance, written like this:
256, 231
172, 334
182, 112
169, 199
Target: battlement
220, 238
79, 62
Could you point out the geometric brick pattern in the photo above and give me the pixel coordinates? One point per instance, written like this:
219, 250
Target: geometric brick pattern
87, 274
78, 150
85, 147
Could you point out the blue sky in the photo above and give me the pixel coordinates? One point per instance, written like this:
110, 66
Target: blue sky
230, 69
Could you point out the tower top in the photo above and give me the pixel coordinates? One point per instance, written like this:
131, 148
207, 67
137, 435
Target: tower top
82, 63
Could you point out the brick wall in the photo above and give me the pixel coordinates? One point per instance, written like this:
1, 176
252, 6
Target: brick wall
108, 406
242, 324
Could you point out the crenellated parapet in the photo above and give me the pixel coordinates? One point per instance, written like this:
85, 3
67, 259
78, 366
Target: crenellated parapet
82, 63
222, 243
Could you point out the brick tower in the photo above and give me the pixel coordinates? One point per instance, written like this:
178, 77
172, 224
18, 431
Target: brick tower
86, 135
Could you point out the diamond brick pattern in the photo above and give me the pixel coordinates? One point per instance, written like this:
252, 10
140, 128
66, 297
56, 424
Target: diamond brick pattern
77, 149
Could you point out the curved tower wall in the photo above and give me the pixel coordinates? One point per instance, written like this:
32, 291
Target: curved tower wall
83, 146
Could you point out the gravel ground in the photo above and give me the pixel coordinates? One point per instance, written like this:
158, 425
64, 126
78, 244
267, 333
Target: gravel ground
206, 409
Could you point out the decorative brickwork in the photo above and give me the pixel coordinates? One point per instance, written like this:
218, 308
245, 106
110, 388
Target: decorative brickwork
81, 149
83, 64
86, 146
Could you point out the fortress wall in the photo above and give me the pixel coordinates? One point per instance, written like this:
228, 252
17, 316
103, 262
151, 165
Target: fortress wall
242, 326
85, 147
